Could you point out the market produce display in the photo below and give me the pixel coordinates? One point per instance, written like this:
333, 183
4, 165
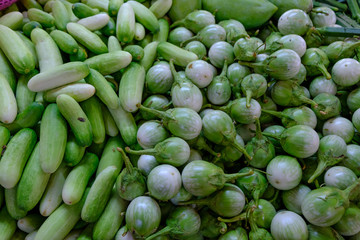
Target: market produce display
180, 119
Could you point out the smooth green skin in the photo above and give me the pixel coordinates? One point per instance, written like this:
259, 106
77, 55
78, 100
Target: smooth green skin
149, 55
151, 133
32, 183
143, 216
144, 16
245, 49
353, 100
179, 35
110, 125
77, 119
6, 69
78, 91
110, 156
4, 138
131, 87
196, 21
109, 63
283, 6
243, 114
288, 225
294, 21
87, 38
31, 47
114, 6
316, 61
340, 49
61, 221
158, 102
253, 16
322, 85
13, 20
82, 10
293, 198
196, 47
125, 23
24, 97
234, 30
349, 224
15, 157
180, 8
136, 52
219, 90
210, 227
30, 222
356, 119
7, 102
321, 233
253, 185
237, 234
288, 93
73, 152
284, 59
114, 44
181, 57
209, 35
339, 177
7, 224
220, 52
111, 218
52, 149
163, 33
99, 194
159, 79
77, 180
92, 109
236, 73
264, 213
230, 153
332, 127
44, 18
12, 205
65, 41
61, 15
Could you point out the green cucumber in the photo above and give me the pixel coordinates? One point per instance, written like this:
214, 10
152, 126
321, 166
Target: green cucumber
7, 70
52, 148
139, 32
31, 236
110, 125
161, 7
144, 16
58, 76
28, 27
136, 52
109, 63
61, 15
92, 109
12, 205
163, 33
114, 44
95, 22
87, 38
111, 219
16, 51
30, 46
77, 119
28, 4
79, 91
150, 54
77, 180
96, 148
13, 20
65, 41
86, 234
73, 152
1, 196
68, 6
181, 57
4, 139
102, 5
80, 56
32, 183
82, 10
24, 97
109, 29
110, 156
15, 157
114, 6
30, 222
7, 225
44, 18
131, 87
125, 23
8, 104
52, 195
99, 194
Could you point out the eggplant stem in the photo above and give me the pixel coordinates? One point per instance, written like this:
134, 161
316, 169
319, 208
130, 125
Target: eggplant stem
157, 113
339, 31
240, 217
224, 69
163, 231
127, 161
352, 187
241, 149
340, 6
274, 113
233, 176
271, 135
324, 71
151, 151
248, 98
194, 38
258, 129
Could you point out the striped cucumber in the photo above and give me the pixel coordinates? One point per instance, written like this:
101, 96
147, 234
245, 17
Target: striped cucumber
12, 205
79, 91
61, 15
30, 46
86, 234
77, 119
144, 16
52, 195
110, 125
7, 225
99, 194
47, 51
82, 10
95, 22
131, 87
92, 109
161, 7
65, 41
24, 97
139, 32
52, 148
4, 139
58, 76
77, 180
114, 6
102, 5
32, 183
16, 51
15, 157
73, 152
103, 90
111, 219
7, 70
28, 4
149, 55
125, 23
181, 57
87, 38
163, 33
8, 104
126, 124
44, 18
110, 156
109, 63
68, 6
61, 221
114, 44
13, 20
30, 222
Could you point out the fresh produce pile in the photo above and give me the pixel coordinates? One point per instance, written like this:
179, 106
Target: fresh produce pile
180, 119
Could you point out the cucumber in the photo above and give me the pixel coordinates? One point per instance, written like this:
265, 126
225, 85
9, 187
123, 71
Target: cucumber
7, 225
68, 6
61, 15
77, 119
126, 124
32, 183
163, 33
47, 51
7, 70
79, 91
52, 148
102, 5
77, 180
139, 32
99, 194
15, 157
61, 221
109, 63
73, 152
86, 234
110, 125
8, 104
48, 6
65, 41
181, 57
136, 52
81, 55
111, 219
114, 6
92, 109
125, 23
30, 46
1, 196
28, 4
114, 44
131, 87
28, 27
73, 234
109, 29
44, 18
144, 16
12, 204
18, 235
95, 22
30, 222
149, 55
16, 51
82, 10
13, 20
4, 139
31, 236
52, 195
58, 76
110, 156
161, 7
87, 38
24, 97
96, 149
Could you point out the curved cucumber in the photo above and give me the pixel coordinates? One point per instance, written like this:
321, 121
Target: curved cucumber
52, 148
114, 6
65, 41
24, 97
8, 104
144, 16
7, 70
44, 18
149, 55
95, 22
109, 63
30, 46
82, 10
110, 156
181, 57
114, 44
79, 91
61, 15
161, 7
13, 20
15, 157
125, 23
77, 119
7, 224
163, 33
73, 152
12, 205
110, 125
30, 222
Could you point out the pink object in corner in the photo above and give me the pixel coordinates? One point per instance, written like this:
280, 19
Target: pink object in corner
6, 3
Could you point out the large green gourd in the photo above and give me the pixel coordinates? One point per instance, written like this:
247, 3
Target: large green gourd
181, 8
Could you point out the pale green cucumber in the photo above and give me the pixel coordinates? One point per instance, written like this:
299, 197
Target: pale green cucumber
15, 157
161, 7
8, 104
4, 139
87, 38
12, 205
16, 51
95, 22
79, 91
68, 6
30, 46
99, 194
144, 16
13, 20
114, 6
78, 179
149, 55
114, 44
7, 70
102, 5
125, 23
73, 152
28, 4
110, 156
77, 119
61, 15
163, 33
86, 234
44, 18
109, 63
7, 225
30, 222
110, 125
32, 183
31, 236
58, 76
24, 97
65, 41
181, 57
139, 32
73, 234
